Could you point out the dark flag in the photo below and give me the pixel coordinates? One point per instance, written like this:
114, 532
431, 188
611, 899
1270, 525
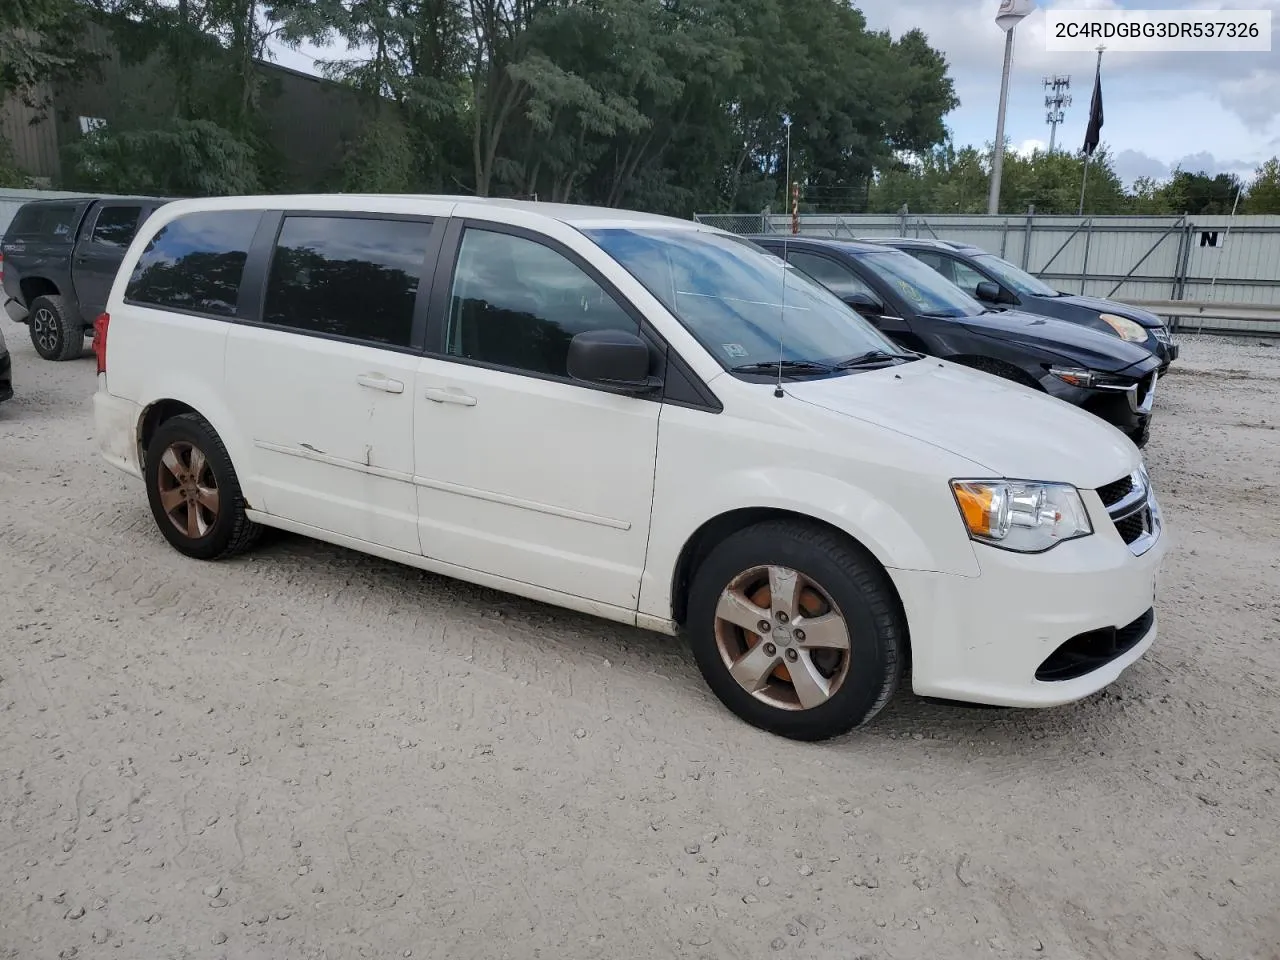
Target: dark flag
1093, 135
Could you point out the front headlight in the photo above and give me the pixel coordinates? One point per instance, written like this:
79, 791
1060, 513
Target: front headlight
1125, 328
1090, 379
1020, 515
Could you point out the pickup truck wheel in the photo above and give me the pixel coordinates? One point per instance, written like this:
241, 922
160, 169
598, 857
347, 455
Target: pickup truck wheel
194, 492
57, 332
796, 629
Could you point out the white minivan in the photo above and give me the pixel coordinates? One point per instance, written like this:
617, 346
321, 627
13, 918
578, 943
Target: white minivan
633, 416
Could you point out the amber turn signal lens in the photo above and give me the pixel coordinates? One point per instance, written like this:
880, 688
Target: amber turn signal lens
975, 505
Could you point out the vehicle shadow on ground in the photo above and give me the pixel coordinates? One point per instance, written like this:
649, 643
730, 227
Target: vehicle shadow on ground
582, 640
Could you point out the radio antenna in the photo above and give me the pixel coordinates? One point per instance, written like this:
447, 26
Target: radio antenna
795, 209
782, 327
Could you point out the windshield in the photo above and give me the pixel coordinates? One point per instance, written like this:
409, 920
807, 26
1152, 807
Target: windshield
729, 294
925, 290
1015, 278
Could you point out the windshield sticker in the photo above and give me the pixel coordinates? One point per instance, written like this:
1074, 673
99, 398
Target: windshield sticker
735, 351
911, 291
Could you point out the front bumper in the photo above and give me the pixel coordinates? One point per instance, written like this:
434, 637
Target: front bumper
984, 639
1129, 410
115, 423
1165, 349
6, 376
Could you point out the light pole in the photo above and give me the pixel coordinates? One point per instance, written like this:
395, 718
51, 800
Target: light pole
1011, 13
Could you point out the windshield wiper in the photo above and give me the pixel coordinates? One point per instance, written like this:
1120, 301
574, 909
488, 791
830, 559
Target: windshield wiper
869, 358
786, 366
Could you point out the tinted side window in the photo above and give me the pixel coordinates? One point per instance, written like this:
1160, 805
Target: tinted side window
965, 277
517, 303
347, 276
196, 262
935, 260
49, 220
836, 277
115, 226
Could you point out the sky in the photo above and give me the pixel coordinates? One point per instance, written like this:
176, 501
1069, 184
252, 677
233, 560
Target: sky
1219, 112
1216, 112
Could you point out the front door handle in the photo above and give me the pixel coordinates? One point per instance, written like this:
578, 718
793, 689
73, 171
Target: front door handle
441, 395
376, 381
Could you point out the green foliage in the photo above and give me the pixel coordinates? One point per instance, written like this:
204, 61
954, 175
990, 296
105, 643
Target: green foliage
10, 176
674, 105
1264, 191
184, 158
670, 105
38, 45
946, 180
380, 161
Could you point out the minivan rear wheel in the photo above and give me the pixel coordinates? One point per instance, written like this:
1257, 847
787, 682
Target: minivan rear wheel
193, 490
796, 629
57, 331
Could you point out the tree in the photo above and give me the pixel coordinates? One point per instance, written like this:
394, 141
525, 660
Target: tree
185, 158
1264, 190
39, 43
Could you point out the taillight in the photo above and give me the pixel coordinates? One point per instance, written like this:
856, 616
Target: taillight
100, 340
1, 268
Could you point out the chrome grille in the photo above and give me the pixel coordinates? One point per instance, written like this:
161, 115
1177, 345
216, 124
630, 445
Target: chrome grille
1131, 505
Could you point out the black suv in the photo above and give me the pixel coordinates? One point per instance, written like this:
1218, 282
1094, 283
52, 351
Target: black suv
922, 311
59, 260
998, 282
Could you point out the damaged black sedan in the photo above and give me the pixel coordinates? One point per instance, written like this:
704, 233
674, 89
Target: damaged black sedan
923, 311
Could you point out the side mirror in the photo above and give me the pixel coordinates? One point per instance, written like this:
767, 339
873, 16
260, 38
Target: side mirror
613, 359
864, 303
989, 291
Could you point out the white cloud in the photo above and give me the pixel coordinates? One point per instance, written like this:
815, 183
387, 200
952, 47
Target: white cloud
1027, 147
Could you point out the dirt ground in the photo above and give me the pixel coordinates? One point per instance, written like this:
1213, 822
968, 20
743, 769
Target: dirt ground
309, 753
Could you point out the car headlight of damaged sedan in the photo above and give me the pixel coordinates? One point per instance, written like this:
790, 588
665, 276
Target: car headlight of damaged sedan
1021, 516
1091, 379
1125, 328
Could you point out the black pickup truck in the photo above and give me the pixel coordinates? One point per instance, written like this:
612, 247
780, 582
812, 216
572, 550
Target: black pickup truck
58, 260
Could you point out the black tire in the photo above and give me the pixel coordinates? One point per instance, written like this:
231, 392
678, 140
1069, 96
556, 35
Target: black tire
57, 330
857, 586
1000, 369
217, 534
1141, 436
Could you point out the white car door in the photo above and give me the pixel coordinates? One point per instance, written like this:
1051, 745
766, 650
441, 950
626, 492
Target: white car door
522, 472
323, 385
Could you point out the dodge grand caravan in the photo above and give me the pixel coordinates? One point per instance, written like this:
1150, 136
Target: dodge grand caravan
637, 417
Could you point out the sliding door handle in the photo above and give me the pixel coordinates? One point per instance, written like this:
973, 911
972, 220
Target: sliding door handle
441, 395
376, 381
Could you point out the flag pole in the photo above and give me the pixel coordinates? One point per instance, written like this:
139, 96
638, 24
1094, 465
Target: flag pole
1084, 180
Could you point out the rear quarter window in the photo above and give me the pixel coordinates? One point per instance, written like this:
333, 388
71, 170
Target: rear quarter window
45, 221
195, 263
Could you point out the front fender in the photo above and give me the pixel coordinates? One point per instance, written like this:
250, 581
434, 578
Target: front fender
916, 526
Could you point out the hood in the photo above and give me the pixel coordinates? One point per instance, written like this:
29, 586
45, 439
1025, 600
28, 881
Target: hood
1010, 430
1069, 341
1099, 305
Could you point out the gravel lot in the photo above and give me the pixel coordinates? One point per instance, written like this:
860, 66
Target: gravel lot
310, 753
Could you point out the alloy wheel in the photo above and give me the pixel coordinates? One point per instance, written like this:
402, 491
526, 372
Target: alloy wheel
782, 638
45, 331
188, 489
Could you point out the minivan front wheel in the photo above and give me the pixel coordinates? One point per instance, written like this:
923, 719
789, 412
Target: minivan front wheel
194, 492
796, 629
